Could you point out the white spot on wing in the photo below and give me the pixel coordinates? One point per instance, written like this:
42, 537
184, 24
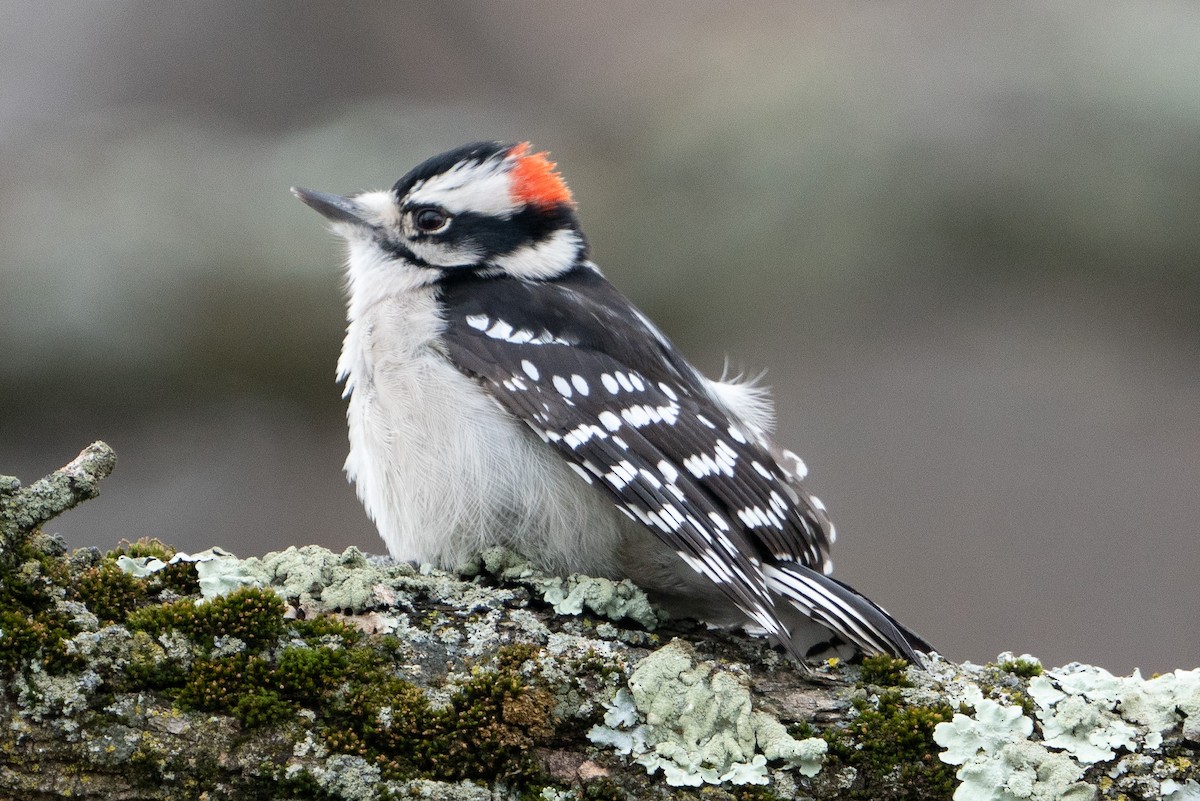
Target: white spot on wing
636, 416
725, 457
610, 383
500, 330
719, 521
520, 336
562, 385
478, 321
530, 369
583, 433
609, 420
650, 478
621, 474
798, 468
584, 475
672, 516
581, 386
697, 466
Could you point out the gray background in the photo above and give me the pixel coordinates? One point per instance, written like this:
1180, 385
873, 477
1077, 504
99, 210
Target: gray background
963, 240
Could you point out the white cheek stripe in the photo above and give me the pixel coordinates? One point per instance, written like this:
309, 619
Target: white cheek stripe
545, 259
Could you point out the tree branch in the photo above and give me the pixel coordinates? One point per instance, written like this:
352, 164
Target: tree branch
22, 510
150, 675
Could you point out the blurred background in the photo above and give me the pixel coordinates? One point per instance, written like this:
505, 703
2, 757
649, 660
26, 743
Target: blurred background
963, 241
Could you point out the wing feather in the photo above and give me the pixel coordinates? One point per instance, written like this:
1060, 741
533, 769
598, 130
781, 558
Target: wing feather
596, 381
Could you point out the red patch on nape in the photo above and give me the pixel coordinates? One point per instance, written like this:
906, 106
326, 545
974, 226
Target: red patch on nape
535, 180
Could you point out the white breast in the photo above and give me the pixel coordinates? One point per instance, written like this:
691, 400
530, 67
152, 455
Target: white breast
445, 472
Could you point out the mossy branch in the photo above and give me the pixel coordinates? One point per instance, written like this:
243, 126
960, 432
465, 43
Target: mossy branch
150, 675
24, 509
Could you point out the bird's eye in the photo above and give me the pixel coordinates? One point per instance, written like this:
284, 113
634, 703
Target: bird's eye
431, 220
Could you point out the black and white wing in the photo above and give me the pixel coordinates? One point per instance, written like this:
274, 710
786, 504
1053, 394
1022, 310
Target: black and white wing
587, 372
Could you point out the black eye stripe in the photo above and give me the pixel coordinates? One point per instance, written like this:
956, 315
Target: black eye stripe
400, 251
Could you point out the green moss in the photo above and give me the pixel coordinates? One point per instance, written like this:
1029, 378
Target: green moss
604, 789
112, 594
325, 629
160, 618
33, 625
149, 668
1022, 700
251, 614
1024, 668
33, 574
258, 689
890, 744
20, 638
109, 592
144, 547
240, 685
179, 652
885, 671
487, 726
591, 663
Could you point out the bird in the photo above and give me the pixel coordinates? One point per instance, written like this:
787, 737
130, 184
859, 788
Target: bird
502, 392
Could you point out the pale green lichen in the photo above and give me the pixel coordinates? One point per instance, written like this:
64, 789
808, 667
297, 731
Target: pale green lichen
1089, 731
998, 761
1082, 716
443, 791
615, 600
348, 777
1111, 703
56, 698
1174, 791
219, 572
140, 567
1022, 770
696, 723
991, 727
320, 580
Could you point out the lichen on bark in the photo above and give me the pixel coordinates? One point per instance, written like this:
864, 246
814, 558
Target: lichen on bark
142, 673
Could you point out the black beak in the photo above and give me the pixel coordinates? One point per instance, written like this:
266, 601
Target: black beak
332, 207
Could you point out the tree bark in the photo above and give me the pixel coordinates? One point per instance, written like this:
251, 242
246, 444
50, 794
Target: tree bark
146, 674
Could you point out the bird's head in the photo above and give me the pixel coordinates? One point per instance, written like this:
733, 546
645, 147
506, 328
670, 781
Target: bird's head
490, 207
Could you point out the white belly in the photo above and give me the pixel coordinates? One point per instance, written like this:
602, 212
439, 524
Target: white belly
444, 471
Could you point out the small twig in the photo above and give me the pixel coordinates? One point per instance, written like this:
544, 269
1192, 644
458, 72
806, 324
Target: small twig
24, 509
